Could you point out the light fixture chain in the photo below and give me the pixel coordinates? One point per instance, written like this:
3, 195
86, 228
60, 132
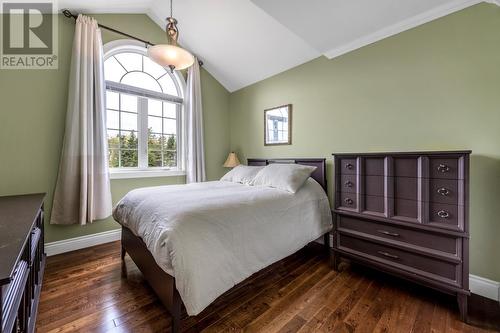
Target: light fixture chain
171, 9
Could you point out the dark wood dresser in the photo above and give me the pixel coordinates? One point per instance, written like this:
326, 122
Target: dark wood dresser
22, 261
406, 214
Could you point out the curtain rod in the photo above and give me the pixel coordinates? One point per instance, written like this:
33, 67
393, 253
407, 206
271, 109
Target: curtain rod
68, 14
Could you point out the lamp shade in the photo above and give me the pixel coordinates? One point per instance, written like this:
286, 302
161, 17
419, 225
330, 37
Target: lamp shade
232, 160
170, 56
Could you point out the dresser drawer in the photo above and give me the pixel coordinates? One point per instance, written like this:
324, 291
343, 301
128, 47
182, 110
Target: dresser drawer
447, 191
346, 200
445, 167
347, 184
448, 216
408, 261
348, 166
394, 233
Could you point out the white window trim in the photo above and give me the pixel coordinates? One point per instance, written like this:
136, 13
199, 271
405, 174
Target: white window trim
124, 173
124, 45
139, 92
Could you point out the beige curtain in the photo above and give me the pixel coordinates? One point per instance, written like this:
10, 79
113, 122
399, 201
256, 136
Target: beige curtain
82, 193
195, 151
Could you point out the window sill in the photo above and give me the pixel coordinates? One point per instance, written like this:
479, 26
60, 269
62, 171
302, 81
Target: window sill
126, 174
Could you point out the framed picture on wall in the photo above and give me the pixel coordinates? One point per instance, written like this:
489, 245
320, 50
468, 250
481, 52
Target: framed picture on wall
278, 125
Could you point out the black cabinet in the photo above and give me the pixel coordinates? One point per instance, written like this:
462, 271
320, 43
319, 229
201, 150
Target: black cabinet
22, 261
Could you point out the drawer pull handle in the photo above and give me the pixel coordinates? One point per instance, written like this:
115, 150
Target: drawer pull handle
348, 201
443, 168
388, 233
349, 166
443, 214
348, 183
388, 255
443, 191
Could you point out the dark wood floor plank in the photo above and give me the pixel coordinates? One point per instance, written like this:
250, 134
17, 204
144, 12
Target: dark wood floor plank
89, 318
293, 325
359, 312
86, 291
424, 317
484, 312
336, 289
438, 323
382, 302
316, 321
245, 313
388, 320
408, 313
256, 286
334, 321
307, 300
334, 298
89, 303
286, 296
133, 318
94, 298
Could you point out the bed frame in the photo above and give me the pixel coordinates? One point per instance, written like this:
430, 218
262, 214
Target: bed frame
164, 284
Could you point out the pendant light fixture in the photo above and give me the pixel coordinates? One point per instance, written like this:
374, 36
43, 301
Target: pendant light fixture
171, 55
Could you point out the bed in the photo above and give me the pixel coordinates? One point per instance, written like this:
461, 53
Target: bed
194, 242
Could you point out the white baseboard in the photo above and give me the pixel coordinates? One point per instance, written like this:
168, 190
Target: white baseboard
484, 287
77, 243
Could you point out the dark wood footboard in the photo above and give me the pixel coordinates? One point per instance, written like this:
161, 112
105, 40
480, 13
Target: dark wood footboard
162, 283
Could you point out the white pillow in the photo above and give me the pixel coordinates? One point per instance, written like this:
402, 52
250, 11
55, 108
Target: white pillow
242, 174
288, 177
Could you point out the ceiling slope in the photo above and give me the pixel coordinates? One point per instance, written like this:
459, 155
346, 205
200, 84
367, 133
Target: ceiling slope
335, 27
238, 42
244, 41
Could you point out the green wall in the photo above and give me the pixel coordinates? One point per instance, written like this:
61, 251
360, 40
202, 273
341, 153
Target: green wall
32, 116
435, 87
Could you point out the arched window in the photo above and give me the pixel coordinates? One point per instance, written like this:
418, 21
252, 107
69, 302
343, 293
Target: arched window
144, 110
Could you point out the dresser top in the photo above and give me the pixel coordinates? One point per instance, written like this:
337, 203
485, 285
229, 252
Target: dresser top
437, 152
17, 216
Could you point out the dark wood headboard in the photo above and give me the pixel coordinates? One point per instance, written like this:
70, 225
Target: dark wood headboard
318, 175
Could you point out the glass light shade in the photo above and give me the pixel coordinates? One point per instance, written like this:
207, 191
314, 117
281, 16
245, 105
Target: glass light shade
169, 55
231, 161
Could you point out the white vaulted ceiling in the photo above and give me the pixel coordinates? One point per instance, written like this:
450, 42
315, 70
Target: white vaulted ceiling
238, 42
244, 41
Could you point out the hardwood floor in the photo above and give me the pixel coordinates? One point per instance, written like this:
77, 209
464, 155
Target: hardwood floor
85, 291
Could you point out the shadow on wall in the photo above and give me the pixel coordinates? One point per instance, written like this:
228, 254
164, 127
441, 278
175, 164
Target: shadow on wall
485, 216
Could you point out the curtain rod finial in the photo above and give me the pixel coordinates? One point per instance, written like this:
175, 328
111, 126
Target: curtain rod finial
68, 14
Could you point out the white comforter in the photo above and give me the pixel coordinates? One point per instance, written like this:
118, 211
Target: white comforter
211, 236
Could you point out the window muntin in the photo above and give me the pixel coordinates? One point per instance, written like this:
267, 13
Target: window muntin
143, 132
122, 131
162, 134
139, 71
